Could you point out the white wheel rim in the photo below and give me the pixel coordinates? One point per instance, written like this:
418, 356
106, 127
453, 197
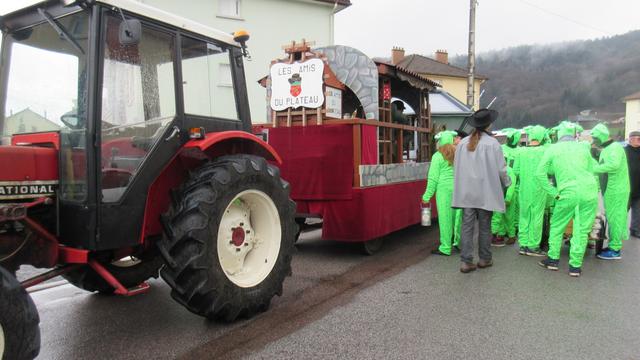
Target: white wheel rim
249, 238
127, 261
1, 342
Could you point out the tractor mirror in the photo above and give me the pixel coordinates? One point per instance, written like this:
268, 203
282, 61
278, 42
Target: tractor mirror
130, 32
70, 119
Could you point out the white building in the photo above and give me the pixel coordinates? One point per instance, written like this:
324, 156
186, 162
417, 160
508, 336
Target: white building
271, 24
632, 116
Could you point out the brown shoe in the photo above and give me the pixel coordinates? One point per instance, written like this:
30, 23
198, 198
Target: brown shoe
467, 267
485, 263
510, 241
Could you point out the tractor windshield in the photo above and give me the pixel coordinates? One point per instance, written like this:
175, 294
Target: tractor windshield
44, 82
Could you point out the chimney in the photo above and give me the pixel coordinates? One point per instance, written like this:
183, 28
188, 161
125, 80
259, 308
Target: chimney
397, 54
442, 56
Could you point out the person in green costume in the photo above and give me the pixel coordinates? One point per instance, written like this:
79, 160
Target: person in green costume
440, 183
505, 224
532, 204
614, 183
575, 192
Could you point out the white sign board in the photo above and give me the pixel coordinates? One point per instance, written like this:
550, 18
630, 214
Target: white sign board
334, 102
297, 85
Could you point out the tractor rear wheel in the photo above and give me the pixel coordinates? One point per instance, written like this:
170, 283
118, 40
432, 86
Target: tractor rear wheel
130, 271
19, 330
229, 238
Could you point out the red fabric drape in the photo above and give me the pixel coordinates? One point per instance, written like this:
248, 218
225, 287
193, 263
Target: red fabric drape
372, 212
369, 136
317, 160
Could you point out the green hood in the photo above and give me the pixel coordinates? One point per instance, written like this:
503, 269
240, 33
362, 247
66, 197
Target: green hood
536, 133
567, 128
513, 136
600, 134
445, 137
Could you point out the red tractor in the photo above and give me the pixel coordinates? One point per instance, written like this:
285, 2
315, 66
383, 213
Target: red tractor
126, 154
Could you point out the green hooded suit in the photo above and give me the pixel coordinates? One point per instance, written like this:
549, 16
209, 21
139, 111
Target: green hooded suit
576, 192
614, 183
440, 182
505, 224
531, 202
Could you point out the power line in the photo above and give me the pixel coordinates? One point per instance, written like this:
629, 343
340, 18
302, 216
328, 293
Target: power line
565, 17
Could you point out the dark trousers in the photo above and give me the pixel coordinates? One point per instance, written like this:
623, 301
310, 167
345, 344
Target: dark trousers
469, 218
634, 204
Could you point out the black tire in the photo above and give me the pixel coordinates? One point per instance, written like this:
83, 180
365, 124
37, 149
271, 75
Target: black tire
19, 320
189, 246
86, 278
372, 246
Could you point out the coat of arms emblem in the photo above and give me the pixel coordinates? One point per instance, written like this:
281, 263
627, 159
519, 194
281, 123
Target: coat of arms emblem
296, 85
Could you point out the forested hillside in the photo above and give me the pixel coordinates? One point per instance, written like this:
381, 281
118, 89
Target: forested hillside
546, 83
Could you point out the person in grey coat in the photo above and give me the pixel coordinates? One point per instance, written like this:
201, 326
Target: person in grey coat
480, 177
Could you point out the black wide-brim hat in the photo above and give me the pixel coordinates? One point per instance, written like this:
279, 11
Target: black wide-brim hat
482, 118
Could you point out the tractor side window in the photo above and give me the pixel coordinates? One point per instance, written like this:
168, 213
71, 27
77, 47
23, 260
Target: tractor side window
207, 81
138, 103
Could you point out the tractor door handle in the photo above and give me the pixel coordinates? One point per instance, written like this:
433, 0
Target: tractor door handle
175, 132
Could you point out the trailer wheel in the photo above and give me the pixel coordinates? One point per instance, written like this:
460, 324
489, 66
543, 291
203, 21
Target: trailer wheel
301, 223
19, 330
371, 247
130, 271
229, 238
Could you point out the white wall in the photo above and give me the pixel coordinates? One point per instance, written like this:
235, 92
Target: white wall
271, 24
632, 117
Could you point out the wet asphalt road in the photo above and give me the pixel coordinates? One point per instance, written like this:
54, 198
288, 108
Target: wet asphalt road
400, 303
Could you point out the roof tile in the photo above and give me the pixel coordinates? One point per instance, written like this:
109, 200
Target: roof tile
424, 65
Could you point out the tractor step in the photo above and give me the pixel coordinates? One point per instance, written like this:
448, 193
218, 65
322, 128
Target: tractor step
111, 280
136, 290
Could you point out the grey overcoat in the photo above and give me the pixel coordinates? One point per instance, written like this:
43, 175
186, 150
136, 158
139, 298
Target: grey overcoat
480, 176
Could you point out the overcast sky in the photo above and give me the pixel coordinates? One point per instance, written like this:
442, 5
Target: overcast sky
423, 26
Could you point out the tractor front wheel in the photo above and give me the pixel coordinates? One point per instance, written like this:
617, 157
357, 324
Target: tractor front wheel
19, 330
229, 238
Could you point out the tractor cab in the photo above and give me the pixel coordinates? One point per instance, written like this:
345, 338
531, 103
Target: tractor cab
117, 90
125, 147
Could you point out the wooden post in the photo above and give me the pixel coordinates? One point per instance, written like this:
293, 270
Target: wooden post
274, 118
304, 116
400, 146
319, 116
289, 117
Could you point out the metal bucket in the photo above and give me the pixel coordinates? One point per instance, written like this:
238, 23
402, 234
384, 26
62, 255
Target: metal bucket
425, 215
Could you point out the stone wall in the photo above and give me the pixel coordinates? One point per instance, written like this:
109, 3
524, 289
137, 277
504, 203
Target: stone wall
372, 175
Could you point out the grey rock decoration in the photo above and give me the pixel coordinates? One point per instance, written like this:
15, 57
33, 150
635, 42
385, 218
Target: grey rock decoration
358, 72
375, 175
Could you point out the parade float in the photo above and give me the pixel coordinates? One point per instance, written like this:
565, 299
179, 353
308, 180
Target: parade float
352, 157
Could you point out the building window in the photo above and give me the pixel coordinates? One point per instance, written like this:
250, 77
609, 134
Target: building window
229, 8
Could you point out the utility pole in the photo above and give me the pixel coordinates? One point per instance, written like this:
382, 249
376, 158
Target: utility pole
472, 54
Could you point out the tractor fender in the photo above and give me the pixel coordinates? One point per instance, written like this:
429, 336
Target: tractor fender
233, 142
191, 156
